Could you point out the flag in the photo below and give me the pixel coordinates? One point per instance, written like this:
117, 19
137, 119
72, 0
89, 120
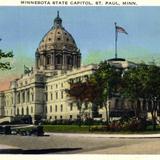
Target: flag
121, 30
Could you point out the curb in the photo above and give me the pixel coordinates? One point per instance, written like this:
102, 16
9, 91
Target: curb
105, 135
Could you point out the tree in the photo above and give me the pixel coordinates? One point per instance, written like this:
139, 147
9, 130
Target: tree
143, 82
82, 93
106, 80
5, 65
133, 84
99, 88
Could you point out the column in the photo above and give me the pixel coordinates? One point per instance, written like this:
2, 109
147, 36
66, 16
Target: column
14, 101
53, 60
63, 61
74, 61
44, 61
20, 93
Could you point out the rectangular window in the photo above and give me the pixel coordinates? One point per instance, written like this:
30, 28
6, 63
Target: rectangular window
33, 97
50, 108
55, 108
31, 109
51, 96
62, 94
56, 95
61, 117
71, 106
70, 116
55, 117
61, 107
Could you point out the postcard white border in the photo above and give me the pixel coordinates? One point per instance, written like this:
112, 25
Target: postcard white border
79, 3
79, 156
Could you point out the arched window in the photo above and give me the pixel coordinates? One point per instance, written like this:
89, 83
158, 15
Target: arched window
55, 108
62, 94
69, 60
56, 95
27, 111
48, 60
31, 109
71, 106
61, 108
17, 111
50, 108
51, 96
32, 96
22, 111
58, 59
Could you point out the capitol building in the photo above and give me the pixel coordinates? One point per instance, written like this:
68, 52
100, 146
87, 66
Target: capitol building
40, 92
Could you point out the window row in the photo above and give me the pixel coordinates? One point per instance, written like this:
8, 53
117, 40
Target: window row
57, 96
61, 117
24, 111
79, 79
55, 108
25, 97
56, 86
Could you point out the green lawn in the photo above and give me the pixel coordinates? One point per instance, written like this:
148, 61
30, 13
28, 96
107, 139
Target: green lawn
85, 129
66, 128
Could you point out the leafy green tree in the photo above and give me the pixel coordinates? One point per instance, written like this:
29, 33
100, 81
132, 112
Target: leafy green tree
152, 89
133, 85
143, 82
99, 88
76, 92
106, 80
5, 65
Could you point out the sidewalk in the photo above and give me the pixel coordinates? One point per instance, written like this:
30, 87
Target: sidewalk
105, 135
4, 149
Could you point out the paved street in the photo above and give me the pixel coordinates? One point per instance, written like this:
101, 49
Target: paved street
84, 144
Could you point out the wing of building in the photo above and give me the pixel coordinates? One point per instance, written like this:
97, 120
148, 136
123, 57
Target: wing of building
40, 92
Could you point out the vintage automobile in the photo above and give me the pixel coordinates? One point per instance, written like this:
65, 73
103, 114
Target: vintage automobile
23, 131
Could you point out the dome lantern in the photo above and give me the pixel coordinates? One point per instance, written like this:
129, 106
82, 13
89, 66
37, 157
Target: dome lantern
57, 21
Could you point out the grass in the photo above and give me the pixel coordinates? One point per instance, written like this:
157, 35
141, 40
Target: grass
85, 129
66, 128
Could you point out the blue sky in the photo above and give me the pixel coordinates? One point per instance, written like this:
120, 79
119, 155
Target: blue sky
21, 29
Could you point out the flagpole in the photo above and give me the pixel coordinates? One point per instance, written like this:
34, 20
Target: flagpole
116, 35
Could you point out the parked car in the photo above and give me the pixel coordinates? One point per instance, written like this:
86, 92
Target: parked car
5, 130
